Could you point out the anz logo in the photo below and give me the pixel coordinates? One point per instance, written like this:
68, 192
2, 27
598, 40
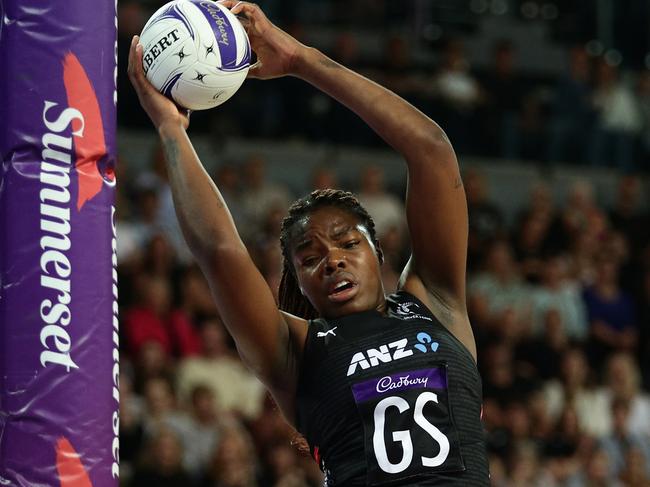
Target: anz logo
388, 353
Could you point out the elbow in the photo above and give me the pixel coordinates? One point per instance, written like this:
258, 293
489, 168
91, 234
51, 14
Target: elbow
432, 144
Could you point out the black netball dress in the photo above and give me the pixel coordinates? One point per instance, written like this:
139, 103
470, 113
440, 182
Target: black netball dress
391, 399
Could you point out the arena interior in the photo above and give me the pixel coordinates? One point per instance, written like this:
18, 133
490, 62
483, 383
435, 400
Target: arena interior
547, 104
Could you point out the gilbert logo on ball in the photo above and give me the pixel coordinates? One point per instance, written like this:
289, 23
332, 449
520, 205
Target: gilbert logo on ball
195, 52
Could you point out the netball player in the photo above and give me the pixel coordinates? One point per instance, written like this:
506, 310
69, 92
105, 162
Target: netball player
384, 388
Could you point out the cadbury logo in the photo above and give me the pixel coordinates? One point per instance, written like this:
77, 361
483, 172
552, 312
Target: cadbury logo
216, 14
388, 384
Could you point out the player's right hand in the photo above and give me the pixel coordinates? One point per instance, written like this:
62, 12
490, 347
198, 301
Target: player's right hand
277, 52
161, 110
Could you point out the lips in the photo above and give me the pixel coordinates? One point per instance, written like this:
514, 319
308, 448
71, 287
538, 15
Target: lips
342, 288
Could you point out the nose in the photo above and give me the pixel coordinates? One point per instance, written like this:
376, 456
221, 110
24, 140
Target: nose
335, 261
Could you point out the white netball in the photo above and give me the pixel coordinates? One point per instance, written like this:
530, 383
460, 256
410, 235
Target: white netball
195, 52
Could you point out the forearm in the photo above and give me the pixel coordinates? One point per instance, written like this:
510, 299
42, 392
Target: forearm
203, 216
401, 125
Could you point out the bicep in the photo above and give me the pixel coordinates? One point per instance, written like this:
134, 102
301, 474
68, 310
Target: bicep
438, 223
265, 337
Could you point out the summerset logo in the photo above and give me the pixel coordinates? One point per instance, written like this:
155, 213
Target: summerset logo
73, 147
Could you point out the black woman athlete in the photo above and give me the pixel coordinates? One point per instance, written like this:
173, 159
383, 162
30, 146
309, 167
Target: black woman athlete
384, 389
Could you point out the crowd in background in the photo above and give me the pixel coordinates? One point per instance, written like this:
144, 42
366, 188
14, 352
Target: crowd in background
596, 112
559, 299
559, 302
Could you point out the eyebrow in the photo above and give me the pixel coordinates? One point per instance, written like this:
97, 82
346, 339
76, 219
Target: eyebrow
336, 234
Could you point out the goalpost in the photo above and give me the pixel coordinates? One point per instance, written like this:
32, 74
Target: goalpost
59, 360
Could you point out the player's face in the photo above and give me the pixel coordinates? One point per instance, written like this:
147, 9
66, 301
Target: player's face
336, 263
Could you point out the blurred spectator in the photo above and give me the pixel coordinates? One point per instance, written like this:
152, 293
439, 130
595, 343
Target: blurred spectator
635, 473
503, 99
131, 17
218, 367
136, 231
618, 119
544, 353
227, 179
154, 318
624, 383
598, 472
323, 178
557, 292
233, 463
161, 465
627, 215
571, 115
195, 297
459, 94
643, 102
574, 389
131, 430
259, 195
610, 311
160, 407
398, 71
199, 431
621, 439
500, 283
485, 219
503, 382
386, 209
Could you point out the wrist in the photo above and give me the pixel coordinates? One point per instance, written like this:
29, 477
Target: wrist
168, 128
304, 59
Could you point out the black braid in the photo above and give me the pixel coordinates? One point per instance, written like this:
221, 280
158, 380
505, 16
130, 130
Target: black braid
291, 299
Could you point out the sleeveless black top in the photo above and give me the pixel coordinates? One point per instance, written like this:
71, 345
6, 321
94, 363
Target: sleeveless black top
391, 399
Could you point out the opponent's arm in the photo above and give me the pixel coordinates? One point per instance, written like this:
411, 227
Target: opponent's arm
268, 341
435, 202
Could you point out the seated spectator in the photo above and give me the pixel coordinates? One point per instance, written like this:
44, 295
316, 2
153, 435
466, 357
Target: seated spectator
557, 292
623, 382
635, 473
610, 311
543, 354
161, 465
234, 461
160, 406
219, 368
485, 219
621, 439
618, 119
500, 283
385, 208
199, 431
154, 319
504, 93
571, 111
459, 94
573, 389
258, 195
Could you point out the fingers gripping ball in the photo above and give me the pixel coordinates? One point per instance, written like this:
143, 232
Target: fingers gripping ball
195, 52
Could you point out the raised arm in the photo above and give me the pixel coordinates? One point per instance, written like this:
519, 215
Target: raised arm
269, 342
435, 202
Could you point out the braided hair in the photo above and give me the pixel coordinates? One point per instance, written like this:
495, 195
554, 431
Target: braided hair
291, 299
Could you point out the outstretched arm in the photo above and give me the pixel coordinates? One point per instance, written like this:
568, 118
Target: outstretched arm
270, 342
435, 202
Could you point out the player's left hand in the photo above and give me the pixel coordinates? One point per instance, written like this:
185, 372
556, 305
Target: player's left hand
160, 109
277, 52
